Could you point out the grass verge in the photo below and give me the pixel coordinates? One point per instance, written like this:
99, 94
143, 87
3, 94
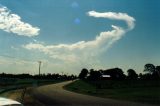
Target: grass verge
149, 95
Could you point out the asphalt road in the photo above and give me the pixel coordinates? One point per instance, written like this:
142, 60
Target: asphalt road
53, 95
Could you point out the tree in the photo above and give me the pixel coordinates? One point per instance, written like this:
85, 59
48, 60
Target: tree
140, 75
153, 71
156, 74
158, 70
132, 74
149, 68
94, 75
83, 73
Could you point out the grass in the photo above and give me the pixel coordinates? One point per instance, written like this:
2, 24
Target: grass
149, 95
22, 83
81, 87
16, 94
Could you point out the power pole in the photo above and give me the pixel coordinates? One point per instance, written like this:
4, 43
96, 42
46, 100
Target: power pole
39, 67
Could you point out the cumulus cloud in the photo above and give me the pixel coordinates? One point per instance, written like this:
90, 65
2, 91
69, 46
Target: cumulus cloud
83, 51
10, 22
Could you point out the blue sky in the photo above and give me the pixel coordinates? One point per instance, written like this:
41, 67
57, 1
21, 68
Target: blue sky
62, 34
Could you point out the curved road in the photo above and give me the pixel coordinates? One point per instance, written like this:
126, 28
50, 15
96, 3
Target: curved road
54, 94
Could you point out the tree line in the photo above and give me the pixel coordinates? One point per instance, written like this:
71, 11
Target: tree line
48, 76
151, 72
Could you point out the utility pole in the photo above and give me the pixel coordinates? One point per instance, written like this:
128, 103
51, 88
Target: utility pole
39, 67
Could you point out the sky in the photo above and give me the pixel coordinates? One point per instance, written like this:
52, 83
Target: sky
68, 35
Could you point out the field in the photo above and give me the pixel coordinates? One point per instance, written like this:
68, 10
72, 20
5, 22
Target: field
144, 92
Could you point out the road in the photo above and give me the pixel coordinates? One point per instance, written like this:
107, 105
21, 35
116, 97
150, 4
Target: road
54, 95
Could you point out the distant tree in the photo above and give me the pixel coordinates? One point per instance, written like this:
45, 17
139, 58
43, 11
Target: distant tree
120, 74
83, 73
158, 70
156, 73
149, 68
140, 75
94, 75
153, 71
132, 74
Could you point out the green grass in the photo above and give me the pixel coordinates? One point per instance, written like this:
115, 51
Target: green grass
81, 87
149, 95
20, 84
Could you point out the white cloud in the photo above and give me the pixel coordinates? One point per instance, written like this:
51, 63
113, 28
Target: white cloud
13, 65
66, 51
10, 22
115, 16
83, 52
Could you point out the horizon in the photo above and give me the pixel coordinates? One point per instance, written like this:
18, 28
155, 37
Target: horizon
68, 35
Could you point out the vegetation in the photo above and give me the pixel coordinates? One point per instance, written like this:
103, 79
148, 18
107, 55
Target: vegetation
83, 74
151, 73
48, 76
113, 83
14, 85
80, 87
132, 75
109, 83
120, 90
18, 81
